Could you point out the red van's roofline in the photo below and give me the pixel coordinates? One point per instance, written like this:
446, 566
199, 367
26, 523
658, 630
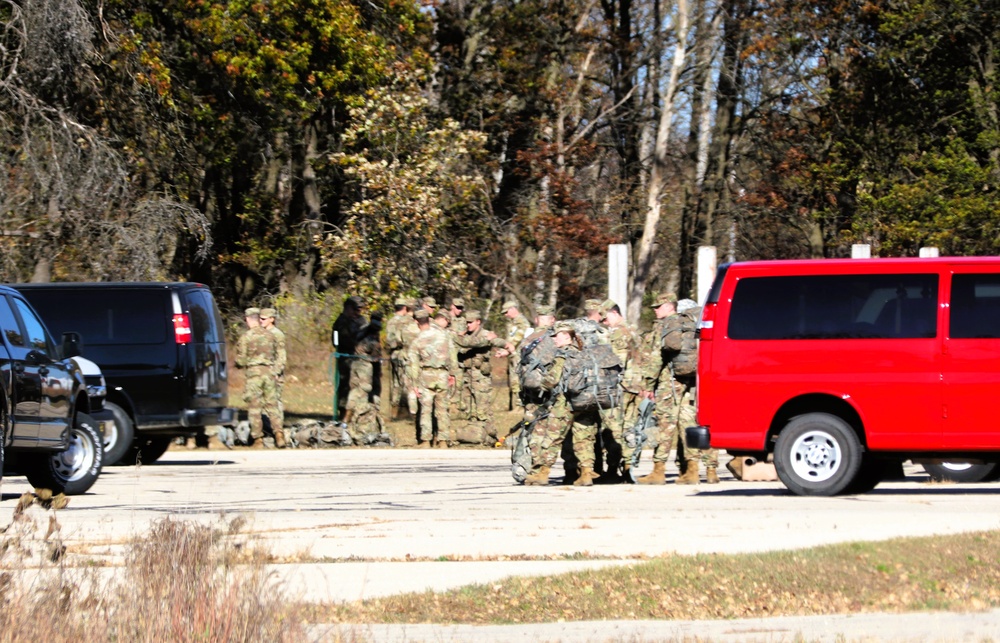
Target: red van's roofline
881, 262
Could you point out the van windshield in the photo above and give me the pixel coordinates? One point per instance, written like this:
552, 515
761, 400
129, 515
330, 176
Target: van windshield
835, 307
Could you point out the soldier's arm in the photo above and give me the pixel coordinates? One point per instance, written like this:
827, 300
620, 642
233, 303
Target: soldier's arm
241, 352
413, 364
281, 356
555, 373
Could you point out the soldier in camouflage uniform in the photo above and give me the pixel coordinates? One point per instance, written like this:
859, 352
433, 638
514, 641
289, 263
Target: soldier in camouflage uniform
364, 424
548, 436
267, 317
400, 331
671, 396
679, 342
460, 395
518, 327
474, 348
257, 352
429, 304
625, 343
433, 365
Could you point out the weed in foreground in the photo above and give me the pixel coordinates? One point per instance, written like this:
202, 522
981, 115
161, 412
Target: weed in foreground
180, 582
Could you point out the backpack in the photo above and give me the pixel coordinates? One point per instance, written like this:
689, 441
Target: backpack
520, 454
590, 332
537, 356
593, 378
680, 342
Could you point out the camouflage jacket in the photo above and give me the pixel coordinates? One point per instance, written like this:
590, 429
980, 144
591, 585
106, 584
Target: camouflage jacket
517, 329
651, 353
257, 347
432, 349
400, 331
281, 357
625, 344
474, 350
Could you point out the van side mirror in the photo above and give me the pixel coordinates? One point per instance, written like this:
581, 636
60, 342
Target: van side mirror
72, 345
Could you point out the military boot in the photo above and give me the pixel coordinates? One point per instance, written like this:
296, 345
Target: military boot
586, 478
441, 444
657, 476
690, 475
426, 444
258, 443
279, 439
711, 475
538, 478
735, 467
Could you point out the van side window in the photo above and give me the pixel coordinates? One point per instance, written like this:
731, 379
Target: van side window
975, 306
835, 307
114, 316
8, 323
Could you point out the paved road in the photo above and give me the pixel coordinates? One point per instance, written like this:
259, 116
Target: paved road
357, 523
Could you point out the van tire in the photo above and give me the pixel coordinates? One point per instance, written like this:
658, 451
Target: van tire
958, 473
75, 470
817, 454
118, 440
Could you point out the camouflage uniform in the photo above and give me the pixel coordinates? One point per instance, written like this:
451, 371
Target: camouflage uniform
257, 352
673, 343
625, 343
432, 359
517, 329
364, 424
282, 359
474, 349
458, 327
549, 434
400, 331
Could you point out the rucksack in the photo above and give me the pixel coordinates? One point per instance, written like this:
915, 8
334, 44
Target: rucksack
680, 342
590, 332
593, 378
520, 454
537, 356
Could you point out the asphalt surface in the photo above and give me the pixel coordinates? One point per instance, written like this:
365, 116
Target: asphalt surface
359, 523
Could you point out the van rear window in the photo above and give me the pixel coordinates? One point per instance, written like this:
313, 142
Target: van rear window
975, 306
835, 307
104, 316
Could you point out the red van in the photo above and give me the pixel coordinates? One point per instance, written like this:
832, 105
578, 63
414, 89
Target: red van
844, 368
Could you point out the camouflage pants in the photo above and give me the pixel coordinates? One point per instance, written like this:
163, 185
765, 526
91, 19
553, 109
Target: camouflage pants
513, 382
549, 434
613, 423
674, 409
434, 402
402, 388
261, 397
480, 390
365, 421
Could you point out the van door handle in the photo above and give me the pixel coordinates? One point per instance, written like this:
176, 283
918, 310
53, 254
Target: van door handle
18, 367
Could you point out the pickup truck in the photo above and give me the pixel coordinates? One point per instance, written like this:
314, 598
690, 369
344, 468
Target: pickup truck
46, 431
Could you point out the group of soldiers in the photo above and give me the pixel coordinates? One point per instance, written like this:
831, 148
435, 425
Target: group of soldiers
261, 354
654, 367
440, 361
440, 358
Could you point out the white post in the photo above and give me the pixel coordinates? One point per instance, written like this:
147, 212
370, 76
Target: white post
707, 261
928, 252
861, 251
618, 275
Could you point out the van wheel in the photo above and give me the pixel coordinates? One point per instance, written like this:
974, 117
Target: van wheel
963, 471
817, 454
75, 470
147, 449
118, 435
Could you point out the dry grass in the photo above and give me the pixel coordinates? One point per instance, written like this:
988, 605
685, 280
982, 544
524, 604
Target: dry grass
957, 573
180, 582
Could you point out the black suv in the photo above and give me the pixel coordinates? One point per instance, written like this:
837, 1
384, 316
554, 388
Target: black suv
46, 432
162, 349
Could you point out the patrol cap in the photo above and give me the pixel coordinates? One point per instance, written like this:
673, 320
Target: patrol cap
421, 315
472, 315
664, 298
545, 309
250, 312
606, 306
458, 302
564, 327
401, 301
268, 313
507, 305
591, 305
411, 303
442, 314
429, 301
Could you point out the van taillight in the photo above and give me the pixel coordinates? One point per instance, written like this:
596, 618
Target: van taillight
706, 326
182, 329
